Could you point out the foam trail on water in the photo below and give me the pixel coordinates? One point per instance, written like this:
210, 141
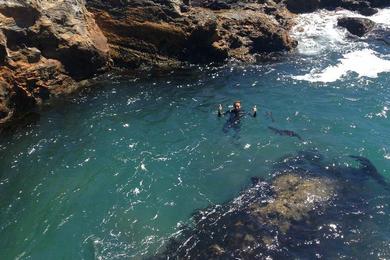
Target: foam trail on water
365, 63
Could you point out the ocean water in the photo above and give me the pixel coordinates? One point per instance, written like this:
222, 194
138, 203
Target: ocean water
118, 170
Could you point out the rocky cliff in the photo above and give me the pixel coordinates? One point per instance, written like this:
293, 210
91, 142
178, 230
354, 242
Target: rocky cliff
46, 47
168, 33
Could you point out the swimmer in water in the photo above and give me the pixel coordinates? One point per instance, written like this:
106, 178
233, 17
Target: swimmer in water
235, 116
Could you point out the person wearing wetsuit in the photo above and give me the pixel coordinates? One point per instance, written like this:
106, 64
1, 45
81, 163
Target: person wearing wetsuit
235, 115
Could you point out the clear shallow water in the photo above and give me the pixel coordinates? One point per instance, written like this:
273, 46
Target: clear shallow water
116, 171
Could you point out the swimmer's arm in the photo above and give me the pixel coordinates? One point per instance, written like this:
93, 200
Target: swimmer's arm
220, 111
254, 111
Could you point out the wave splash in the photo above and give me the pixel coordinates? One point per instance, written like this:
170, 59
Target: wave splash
318, 34
366, 63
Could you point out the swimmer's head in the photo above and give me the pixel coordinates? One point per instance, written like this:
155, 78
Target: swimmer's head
237, 105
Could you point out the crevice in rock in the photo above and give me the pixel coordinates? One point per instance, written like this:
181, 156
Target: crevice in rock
24, 16
16, 39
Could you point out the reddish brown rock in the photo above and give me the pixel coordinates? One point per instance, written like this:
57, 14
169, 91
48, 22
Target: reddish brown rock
152, 34
45, 48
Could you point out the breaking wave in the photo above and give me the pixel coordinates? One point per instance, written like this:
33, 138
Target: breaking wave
366, 63
318, 35
318, 32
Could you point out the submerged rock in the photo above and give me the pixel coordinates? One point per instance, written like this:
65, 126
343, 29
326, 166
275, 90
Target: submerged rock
294, 198
259, 222
275, 219
356, 25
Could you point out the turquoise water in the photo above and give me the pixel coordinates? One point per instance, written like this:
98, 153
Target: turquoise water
115, 171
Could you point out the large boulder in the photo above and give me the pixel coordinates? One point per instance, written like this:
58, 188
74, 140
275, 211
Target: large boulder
356, 25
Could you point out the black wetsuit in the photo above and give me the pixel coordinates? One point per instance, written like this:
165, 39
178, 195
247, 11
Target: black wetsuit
234, 120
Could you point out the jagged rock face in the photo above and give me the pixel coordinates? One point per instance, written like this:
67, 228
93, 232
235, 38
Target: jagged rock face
156, 34
45, 48
61, 30
355, 25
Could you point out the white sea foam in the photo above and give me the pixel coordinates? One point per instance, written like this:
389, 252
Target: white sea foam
382, 17
366, 63
247, 146
318, 32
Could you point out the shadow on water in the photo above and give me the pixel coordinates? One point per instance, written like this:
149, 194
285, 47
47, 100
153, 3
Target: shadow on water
27, 121
309, 208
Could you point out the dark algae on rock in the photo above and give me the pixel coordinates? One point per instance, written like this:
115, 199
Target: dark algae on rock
295, 211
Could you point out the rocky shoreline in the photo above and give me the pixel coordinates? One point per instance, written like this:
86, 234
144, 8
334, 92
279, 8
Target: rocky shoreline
48, 48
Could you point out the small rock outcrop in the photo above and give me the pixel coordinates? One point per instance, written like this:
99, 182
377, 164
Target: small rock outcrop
356, 25
46, 47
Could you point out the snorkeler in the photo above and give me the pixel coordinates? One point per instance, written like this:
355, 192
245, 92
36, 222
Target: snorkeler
236, 112
235, 116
